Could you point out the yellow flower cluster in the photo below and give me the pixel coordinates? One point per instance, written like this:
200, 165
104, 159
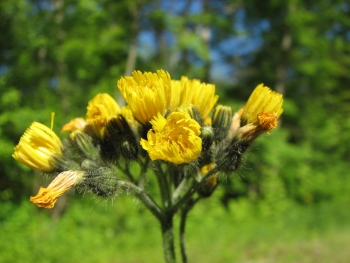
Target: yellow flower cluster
151, 95
174, 115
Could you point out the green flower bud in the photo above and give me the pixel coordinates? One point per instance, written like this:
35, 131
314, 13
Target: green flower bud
102, 181
207, 135
222, 121
229, 158
88, 164
85, 145
192, 111
208, 187
122, 138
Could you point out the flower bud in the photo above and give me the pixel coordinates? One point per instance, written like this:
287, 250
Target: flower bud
207, 135
102, 181
222, 119
208, 187
85, 145
87, 164
122, 138
192, 111
229, 158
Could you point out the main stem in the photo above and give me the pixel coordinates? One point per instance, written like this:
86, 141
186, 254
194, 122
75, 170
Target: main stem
168, 239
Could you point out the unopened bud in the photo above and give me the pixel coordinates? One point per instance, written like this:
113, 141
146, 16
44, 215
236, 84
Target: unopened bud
192, 111
121, 136
208, 187
87, 164
229, 158
128, 149
85, 145
207, 135
222, 119
102, 181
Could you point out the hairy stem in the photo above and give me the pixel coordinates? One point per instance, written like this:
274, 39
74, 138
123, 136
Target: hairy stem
144, 197
168, 239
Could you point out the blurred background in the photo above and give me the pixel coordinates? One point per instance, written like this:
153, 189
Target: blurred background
290, 200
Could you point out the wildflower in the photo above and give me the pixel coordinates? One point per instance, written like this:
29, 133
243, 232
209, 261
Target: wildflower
175, 139
47, 197
264, 106
259, 115
200, 95
74, 124
99, 110
37, 147
146, 93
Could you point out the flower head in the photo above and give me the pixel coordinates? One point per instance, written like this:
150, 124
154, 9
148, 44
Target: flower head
37, 146
260, 114
200, 95
264, 106
175, 139
47, 197
99, 110
146, 93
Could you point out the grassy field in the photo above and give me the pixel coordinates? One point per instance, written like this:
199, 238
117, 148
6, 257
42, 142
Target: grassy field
123, 231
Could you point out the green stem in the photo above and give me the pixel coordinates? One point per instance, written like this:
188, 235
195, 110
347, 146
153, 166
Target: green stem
182, 235
182, 187
194, 187
163, 185
127, 172
182, 229
168, 239
144, 197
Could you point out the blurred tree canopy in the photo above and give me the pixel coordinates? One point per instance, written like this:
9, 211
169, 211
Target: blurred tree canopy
55, 55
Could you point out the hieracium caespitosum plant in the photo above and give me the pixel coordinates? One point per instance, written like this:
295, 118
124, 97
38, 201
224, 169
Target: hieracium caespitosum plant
173, 129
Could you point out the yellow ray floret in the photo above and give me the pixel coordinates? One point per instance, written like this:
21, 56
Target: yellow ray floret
99, 110
47, 197
36, 147
201, 95
175, 139
264, 106
146, 93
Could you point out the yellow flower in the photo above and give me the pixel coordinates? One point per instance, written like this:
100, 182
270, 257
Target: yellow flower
200, 95
264, 106
99, 110
47, 197
74, 124
260, 114
146, 93
36, 147
175, 139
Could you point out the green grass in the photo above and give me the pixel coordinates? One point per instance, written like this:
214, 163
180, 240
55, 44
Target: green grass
125, 232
